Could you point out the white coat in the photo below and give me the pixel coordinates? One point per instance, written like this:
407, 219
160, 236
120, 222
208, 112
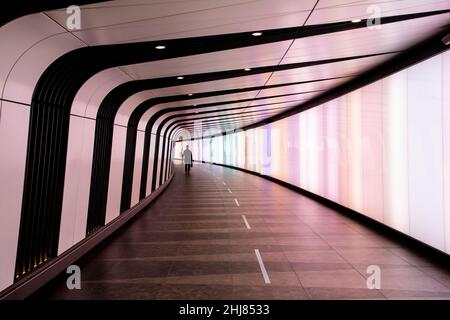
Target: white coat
187, 156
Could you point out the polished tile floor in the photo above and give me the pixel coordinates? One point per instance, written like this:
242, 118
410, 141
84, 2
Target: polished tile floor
201, 239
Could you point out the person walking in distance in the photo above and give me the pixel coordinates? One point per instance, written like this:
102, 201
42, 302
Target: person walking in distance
187, 158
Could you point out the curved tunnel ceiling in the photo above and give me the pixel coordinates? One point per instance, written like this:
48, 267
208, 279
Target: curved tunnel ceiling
212, 68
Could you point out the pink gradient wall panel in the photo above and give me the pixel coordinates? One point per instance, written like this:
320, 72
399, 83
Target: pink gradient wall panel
259, 146
343, 151
314, 150
241, 149
446, 142
355, 165
331, 150
284, 133
395, 151
218, 149
425, 152
292, 155
372, 151
205, 150
303, 151
234, 152
252, 150
226, 150
264, 140
276, 150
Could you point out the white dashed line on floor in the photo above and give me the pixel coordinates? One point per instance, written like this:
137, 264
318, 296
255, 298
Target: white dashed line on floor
262, 267
246, 222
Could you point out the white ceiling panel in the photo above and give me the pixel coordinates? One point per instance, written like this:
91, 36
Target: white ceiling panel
213, 99
124, 21
225, 116
232, 83
133, 21
328, 11
249, 57
304, 87
222, 110
291, 100
337, 69
390, 37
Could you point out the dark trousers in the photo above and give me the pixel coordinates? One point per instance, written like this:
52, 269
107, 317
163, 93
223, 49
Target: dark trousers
187, 168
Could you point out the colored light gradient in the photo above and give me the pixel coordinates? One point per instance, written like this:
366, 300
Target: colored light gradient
382, 150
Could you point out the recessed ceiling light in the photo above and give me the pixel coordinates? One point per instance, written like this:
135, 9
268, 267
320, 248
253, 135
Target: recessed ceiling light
257, 34
247, 69
190, 94
160, 47
180, 78
356, 20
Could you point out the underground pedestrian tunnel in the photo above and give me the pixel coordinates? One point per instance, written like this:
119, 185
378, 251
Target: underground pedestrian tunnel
319, 130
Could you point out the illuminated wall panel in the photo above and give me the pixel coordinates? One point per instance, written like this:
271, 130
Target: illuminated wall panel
343, 152
355, 166
303, 150
331, 150
218, 149
259, 142
446, 143
382, 150
284, 169
292, 155
197, 150
227, 150
315, 150
276, 149
395, 151
252, 152
264, 160
425, 152
240, 136
206, 151
177, 150
235, 152
372, 151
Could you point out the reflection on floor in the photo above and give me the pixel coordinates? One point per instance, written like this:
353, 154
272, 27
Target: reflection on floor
198, 241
